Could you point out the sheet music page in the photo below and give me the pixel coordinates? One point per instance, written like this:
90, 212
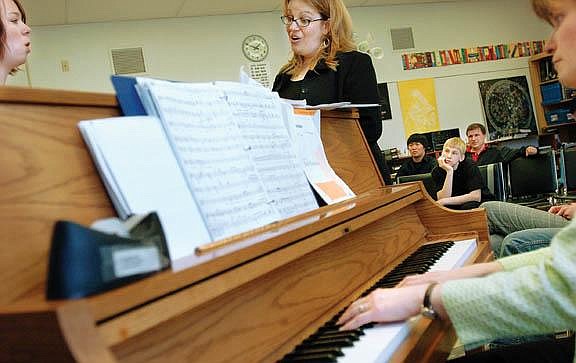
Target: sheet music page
210, 151
141, 165
104, 169
310, 149
258, 114
145, 96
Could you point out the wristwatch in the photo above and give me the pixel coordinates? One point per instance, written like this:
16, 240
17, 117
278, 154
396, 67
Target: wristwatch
427, 310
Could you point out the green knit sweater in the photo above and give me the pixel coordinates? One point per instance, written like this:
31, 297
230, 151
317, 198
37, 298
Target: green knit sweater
535, 294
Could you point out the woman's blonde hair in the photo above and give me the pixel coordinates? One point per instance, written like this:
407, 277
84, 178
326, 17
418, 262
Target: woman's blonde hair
338, 39
543, 8
3, 29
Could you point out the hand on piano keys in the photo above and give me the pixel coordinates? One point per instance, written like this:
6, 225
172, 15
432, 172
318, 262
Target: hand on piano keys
378, 342
384, 306
476, 270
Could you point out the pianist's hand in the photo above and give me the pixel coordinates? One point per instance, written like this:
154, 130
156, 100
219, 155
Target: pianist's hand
429, 277
475, 270
384, 305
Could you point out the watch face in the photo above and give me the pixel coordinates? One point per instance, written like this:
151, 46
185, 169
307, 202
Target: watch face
255, 48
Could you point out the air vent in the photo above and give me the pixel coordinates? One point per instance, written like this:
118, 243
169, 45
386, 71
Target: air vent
402, 38
128, 60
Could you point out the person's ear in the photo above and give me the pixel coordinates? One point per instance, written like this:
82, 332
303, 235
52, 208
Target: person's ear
326, 27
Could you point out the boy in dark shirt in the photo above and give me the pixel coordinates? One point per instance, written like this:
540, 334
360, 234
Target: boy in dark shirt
457, 178
420, 163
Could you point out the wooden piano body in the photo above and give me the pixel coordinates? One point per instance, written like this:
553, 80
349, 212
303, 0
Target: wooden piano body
252, 305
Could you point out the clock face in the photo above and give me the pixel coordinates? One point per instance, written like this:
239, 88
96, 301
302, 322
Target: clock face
255, 48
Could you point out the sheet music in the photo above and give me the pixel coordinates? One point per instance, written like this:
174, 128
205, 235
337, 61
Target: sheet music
310, 149
218, 170
258, 114
145, 96
135, 159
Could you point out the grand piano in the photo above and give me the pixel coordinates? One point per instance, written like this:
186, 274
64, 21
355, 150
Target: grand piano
257, 304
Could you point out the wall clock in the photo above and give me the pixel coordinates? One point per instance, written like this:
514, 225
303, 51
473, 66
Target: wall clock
255, 48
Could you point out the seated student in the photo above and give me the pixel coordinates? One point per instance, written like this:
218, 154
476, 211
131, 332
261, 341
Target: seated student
516, 228
14, 38
420, 163
483, 154
458, 180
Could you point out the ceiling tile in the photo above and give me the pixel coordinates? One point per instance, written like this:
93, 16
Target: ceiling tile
54, 12
221, 7
401, 2
43, 12
86, 11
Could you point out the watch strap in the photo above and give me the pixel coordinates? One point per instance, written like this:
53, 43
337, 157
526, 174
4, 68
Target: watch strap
427, 309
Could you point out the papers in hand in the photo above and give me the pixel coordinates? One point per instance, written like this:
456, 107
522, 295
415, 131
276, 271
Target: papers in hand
329, 106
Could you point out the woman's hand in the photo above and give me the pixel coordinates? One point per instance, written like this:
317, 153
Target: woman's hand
475, 270
384, 305
427, 278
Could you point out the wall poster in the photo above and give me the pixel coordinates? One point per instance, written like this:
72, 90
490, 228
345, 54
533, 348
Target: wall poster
507, 106
418, 103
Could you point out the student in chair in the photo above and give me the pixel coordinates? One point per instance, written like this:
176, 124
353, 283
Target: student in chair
482, 154
419, 163
458, 180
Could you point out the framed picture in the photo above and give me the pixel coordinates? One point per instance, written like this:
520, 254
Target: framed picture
507, 106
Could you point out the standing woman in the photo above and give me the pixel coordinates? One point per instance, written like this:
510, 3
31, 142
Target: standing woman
325, 66
14, 38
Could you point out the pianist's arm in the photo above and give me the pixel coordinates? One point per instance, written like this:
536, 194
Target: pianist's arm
532, 295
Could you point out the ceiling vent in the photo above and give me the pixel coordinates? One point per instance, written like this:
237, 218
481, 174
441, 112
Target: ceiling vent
402, 38
128, 60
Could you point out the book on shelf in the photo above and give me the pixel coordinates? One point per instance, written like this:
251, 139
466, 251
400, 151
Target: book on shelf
213, 160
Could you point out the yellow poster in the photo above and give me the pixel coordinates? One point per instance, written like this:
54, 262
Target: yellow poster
418, 103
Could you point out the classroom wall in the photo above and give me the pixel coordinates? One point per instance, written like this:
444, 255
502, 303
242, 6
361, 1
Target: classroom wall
208, 48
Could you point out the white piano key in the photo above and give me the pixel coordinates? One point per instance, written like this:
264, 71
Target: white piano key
381, 341
456, 256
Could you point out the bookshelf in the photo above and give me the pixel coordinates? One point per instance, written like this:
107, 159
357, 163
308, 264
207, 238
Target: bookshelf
554, 103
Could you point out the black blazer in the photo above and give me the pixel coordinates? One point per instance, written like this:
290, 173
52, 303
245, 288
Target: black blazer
354, 80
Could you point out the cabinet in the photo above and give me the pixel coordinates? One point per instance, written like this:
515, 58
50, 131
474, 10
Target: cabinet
555, 104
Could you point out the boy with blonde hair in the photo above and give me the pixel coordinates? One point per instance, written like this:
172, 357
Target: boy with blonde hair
458, 180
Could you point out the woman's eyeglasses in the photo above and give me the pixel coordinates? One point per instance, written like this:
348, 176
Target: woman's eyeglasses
302, 23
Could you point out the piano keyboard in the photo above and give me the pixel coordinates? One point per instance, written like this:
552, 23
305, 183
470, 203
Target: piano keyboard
377, 342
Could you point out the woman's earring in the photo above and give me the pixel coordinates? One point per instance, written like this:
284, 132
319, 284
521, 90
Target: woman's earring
326, 42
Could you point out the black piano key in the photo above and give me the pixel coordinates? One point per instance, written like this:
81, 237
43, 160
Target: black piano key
336, 334
335, 351
320, 338
318, 358
335, 342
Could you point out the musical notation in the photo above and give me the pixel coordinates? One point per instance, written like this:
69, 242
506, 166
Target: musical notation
235, 152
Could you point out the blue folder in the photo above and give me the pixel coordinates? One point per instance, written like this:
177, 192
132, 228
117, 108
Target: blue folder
127, 96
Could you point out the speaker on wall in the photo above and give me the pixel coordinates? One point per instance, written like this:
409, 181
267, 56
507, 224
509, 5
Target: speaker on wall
384, 101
